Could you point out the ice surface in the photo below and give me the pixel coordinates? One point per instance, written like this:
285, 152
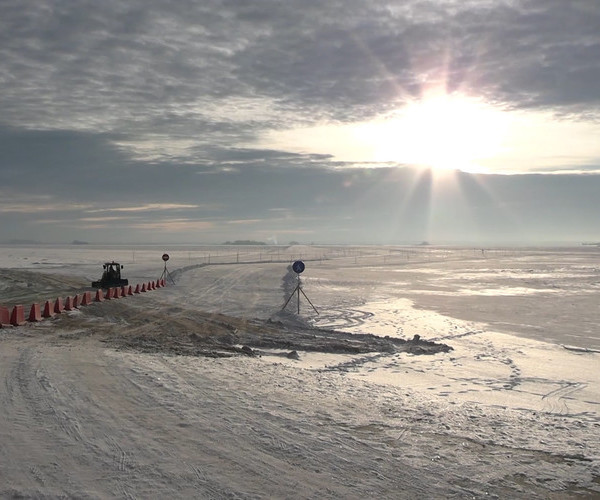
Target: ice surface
508, 413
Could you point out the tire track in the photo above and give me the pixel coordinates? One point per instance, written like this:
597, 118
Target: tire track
554, 401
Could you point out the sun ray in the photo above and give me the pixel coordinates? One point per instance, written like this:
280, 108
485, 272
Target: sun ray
416, 193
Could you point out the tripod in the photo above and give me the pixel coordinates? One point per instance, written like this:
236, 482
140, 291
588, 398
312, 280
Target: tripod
298, 290
166, 273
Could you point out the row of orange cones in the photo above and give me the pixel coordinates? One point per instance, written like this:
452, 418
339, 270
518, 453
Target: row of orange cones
16, 316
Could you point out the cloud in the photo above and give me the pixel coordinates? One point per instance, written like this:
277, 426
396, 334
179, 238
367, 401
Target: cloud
37, 208
157, 113
227, 69
148, 207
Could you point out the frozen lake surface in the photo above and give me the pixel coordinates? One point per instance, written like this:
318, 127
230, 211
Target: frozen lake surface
509, 412
546, 294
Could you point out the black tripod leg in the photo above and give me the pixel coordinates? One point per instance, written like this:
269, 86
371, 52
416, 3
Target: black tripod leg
306, 297
170, 277
290, 298
166, 274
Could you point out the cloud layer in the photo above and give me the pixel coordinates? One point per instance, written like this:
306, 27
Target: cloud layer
131, 119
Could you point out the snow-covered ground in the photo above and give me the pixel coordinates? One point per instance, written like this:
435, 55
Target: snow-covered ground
511, 411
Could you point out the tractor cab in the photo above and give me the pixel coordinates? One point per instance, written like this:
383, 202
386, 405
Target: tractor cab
111, 276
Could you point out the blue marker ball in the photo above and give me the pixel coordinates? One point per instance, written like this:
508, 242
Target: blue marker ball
298, 266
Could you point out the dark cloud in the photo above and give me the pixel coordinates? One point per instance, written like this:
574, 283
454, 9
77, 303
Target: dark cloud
151, 64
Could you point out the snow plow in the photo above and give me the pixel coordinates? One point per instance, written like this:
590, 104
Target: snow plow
111, 277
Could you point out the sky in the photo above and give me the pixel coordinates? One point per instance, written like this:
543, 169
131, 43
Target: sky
317, 121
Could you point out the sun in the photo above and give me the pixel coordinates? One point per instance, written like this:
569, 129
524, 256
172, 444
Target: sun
439, 131
443, 133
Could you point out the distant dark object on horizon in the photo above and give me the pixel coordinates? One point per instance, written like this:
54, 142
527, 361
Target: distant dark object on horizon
244, 242
78, 242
